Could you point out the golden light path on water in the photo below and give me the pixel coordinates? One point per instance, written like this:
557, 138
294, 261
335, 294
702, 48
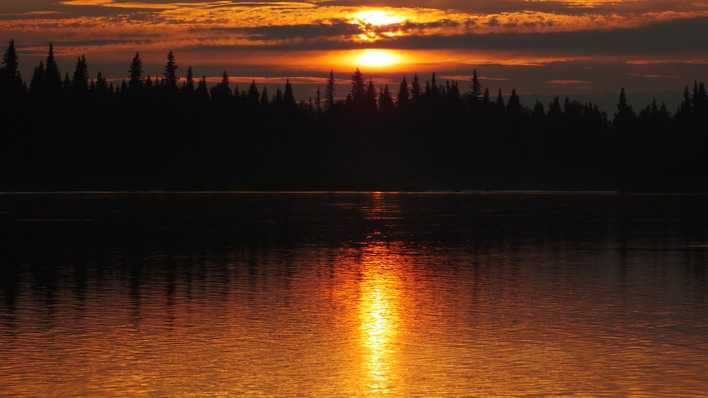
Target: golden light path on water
379, 317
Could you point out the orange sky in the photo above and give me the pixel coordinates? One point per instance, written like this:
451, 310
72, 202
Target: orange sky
541, 46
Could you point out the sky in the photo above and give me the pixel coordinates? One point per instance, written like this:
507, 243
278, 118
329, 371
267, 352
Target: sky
585, 49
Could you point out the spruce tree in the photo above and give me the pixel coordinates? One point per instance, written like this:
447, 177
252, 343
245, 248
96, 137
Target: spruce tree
102, 86
370, 97
203, 90
358, 87
11, 68
386, 101
37, 85
404, 97
170, 73
433, 90
538, 111
136, 73
188, 87
222, 90
486, 98
415, 89
289, 96
66, 84
330, 91
499, 104
625, 113
52, 76
476, 89
264, 96
513, 106
253, 94
81, 77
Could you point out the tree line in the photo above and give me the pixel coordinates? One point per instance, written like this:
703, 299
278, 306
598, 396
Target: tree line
175, 131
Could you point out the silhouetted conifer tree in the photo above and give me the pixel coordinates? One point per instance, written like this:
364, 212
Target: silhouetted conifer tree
434, 90
81, 77
288, 95
222, 91
11, 78
499, 104
358, 92
135, 73
330, 91
66, 84
555, 111
404, 96
170, 73
625, 114
265, 100
486, 98
52, 77
538, 111
686, 106
415, 89
476, 88
514, 107
453, 93
370, 97
123, 90
203, 90
38, 78
188, 87
102, 87
253, 94
700, 102
386, 101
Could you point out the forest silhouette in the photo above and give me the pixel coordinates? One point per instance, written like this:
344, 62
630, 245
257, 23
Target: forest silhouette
175, 132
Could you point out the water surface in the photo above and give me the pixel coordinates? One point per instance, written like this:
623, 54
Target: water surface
362, 294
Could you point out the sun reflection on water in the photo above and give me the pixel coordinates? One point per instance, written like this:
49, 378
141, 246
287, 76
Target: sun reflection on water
380, 318
380, 305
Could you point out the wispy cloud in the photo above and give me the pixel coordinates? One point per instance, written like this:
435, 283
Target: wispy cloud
569, 82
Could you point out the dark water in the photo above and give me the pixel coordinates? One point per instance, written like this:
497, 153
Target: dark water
325, 295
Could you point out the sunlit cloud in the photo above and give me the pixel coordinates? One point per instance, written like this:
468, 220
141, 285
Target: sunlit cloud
115, 4
569, 82
653, 76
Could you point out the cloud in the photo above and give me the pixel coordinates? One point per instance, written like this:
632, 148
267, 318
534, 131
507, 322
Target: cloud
569, 82
336, 28
676, 36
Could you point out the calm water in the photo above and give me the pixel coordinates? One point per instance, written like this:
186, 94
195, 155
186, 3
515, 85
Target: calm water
325, 295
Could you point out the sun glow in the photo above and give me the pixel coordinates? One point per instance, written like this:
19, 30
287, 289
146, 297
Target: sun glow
377, 58
377, 17
376, 24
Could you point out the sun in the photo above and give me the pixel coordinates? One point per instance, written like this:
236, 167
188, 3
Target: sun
377, 58
376, 24
377, 17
